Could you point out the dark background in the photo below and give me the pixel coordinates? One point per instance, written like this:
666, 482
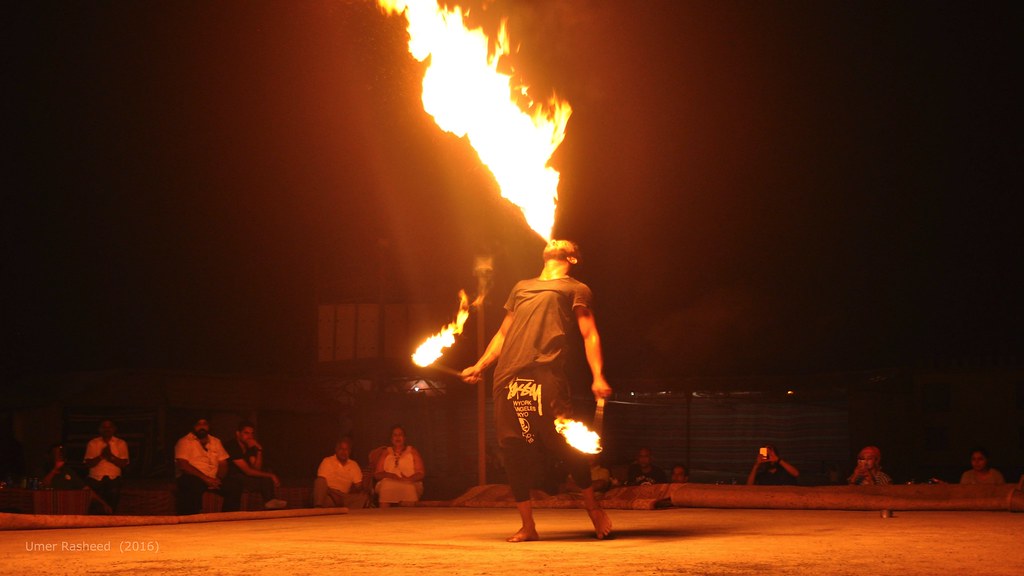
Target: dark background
757, 187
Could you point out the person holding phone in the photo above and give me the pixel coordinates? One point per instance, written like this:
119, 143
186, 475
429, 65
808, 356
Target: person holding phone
869, 469
771, 470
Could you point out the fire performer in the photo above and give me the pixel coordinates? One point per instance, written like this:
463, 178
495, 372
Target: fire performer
531, 383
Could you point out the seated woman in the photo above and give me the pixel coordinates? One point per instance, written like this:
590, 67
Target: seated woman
399, 472
980, 472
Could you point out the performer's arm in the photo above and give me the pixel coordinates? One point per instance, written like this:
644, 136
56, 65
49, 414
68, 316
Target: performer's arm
473, 373
592, 347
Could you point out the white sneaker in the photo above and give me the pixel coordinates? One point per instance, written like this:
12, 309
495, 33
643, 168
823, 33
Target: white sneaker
275, 504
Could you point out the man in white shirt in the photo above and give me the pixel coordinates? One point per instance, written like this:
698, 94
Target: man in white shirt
106, 456
339, 480
201, 462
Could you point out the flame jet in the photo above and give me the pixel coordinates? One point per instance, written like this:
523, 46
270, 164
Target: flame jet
467, 96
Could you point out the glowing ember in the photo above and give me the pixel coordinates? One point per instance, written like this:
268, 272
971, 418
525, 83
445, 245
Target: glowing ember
467, 96
434, 346
578, 435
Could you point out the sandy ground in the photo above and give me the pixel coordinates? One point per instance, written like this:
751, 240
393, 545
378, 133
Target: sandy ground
444, 541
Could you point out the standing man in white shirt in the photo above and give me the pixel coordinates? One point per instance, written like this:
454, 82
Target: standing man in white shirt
202, 463
106, 456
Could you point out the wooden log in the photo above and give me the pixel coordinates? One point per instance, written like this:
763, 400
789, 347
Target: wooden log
893, 497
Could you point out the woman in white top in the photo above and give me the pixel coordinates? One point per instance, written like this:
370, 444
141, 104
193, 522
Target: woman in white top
399, 472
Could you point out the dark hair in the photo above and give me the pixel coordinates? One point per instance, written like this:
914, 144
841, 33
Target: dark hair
575, 251
981, 450
245, 424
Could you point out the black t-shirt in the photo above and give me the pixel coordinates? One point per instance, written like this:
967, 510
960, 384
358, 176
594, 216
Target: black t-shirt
236, 451
543, 326
781, 477
637, 477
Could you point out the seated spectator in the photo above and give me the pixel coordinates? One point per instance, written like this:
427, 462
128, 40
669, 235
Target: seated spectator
771, 470
60, 476
832, 474
339, 480
981, 472
245, 471
643, 471
680, 475
399, 472
201, 463
600, 477
106, 456
869, 469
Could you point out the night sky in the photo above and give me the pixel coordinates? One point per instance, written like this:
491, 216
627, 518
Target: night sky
757, 187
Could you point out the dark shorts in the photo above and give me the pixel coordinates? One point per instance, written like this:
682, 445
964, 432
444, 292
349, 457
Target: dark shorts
525, 408
527, 403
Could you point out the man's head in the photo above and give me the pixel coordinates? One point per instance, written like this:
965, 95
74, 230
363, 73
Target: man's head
342, 450
643, 457
245, 432
201, 428
562, 250
107, 429
56, 455
870, 456
679, 474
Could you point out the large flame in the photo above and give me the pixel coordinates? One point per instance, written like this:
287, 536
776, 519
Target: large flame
467, 96
431, 350
578, 435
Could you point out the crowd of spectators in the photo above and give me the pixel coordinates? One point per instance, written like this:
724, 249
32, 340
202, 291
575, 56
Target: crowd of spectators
393, 474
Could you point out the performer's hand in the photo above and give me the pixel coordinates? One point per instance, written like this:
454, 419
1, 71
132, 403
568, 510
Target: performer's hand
472, 375
600, 388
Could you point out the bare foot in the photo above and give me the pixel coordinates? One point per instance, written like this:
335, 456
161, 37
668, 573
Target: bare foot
602, 523
524, 535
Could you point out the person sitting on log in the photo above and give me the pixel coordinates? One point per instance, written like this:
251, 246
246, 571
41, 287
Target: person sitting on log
869, 469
